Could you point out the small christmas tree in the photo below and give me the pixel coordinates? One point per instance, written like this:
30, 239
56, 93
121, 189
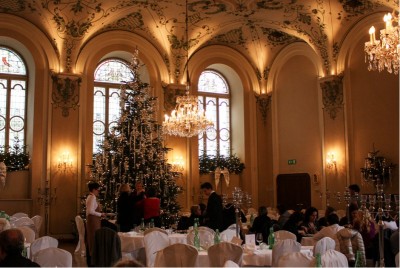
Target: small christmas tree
134, 150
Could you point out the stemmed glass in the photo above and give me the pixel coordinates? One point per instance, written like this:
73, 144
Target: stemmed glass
259, 238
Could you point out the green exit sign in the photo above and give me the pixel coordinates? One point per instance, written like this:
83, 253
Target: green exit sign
291, 162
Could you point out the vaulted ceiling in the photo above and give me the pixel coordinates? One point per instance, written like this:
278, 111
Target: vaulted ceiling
256, 28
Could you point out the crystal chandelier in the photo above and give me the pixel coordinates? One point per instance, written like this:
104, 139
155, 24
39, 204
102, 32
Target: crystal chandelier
384, 53
186, 120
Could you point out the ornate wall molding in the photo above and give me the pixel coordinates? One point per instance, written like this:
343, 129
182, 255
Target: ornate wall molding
65, 92
264, 103
332, 94
171, 91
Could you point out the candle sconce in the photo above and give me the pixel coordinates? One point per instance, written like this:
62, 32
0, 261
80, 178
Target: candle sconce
45, 195
239, 198
331, 161
177, 165
64, 162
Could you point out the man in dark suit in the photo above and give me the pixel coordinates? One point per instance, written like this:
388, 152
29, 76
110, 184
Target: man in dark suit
11, 247
214, 210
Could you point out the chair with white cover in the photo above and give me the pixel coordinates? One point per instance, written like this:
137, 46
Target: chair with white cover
334, 258
296, 259
80, 226
53, 257
153, 242
177, 255
283, 234
24, 221
37, 221
206, 237
207, 229
28, 233
283, 247
107, 247
4, 224
219, 253
230, 263
323, 245
20, 215
42, 243
155, 229
228, 234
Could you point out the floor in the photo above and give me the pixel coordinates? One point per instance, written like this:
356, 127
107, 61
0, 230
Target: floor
77, 259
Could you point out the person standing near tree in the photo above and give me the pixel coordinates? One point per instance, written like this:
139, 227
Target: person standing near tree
214, 210
138, 196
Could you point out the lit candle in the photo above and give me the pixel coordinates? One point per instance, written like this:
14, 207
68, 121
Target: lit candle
372, 35
388, 20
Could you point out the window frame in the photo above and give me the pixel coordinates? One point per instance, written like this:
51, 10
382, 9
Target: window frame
217, 96
9, 77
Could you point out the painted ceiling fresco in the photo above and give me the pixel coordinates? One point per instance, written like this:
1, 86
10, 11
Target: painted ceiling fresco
257, 28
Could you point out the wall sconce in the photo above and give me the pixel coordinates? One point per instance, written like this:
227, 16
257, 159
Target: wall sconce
177, 165
64, 162
330, 160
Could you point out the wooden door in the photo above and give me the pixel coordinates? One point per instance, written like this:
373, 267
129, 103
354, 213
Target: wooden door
294, 190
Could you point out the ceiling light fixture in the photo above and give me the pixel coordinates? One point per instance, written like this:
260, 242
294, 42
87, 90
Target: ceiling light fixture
186, 120
384, 53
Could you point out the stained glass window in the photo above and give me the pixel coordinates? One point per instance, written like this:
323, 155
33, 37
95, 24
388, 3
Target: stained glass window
109, 76
13, 92
214, 99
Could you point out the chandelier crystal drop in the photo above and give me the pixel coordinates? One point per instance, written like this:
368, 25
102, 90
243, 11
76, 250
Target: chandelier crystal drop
186, 120
384, 53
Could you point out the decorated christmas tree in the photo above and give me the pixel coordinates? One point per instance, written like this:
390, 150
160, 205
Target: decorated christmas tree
134, 149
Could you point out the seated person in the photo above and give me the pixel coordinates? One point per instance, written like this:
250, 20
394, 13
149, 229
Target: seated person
352, 212
262, 223
284, 215
229, 216
310, 225
293, 225
11, 247
331, 230
323, 221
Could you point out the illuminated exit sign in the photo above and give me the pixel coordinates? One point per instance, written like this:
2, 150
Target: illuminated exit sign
291, 162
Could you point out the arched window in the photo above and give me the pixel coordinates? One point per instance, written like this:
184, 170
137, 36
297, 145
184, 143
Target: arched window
214, 98
108, 79
13, 96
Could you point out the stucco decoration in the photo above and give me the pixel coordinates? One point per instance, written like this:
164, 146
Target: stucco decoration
65, 92
171, 92
3, 174
332, 94
264, 103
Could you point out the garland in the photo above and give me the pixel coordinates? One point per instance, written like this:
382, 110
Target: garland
209, 163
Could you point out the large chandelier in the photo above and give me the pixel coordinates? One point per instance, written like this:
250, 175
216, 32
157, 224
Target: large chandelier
384, 53
186, 120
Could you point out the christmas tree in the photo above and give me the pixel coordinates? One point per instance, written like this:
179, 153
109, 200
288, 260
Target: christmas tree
134, 149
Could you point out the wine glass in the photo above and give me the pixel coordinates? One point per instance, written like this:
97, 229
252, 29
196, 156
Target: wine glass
259, 238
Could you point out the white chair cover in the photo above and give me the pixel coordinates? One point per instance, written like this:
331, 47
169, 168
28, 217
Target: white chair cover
230, 263
228, 234
333, 258
42, 243
207, 229
153, 242
323, 245
24, 221
282, 247
20, 215
155, 229
206, 238
177, 255
53, 257
4, 224
37, 221
28, 233
296, 259
283, 234
80, 225
218, 254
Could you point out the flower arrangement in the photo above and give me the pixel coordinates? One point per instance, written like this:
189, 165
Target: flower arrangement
15, 157
209, 163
